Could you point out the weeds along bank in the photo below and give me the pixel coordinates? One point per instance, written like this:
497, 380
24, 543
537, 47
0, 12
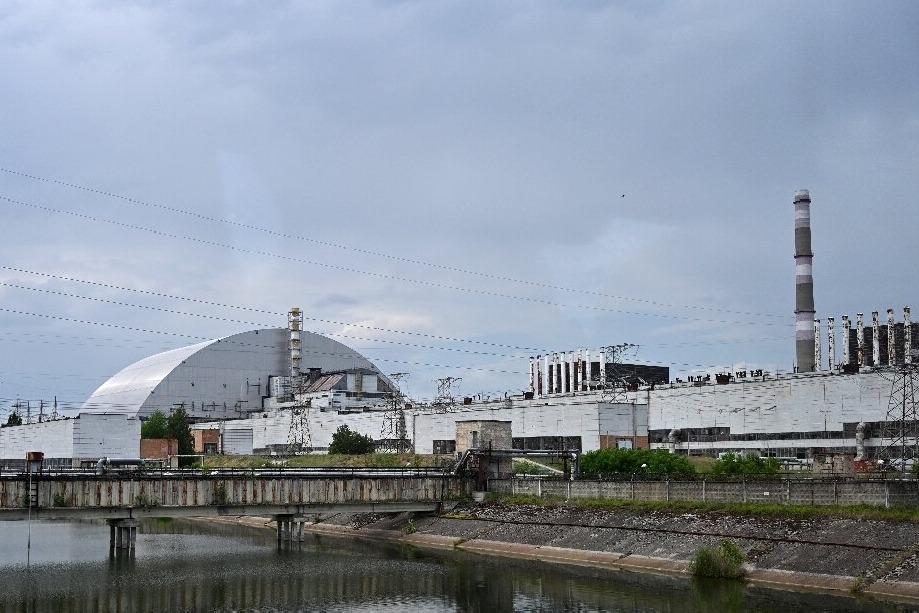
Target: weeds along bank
860, 550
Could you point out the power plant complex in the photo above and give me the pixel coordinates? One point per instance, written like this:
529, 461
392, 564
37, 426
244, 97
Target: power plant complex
284, 390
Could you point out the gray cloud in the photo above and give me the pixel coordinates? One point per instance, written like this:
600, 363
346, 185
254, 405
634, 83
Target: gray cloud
487, 137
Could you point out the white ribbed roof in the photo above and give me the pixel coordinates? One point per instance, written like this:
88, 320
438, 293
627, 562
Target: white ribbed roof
130, 387
217, 378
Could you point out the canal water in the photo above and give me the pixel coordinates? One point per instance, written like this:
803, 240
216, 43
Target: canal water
200, 566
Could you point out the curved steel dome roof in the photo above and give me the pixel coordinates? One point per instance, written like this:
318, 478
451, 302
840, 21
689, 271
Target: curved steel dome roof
225, 377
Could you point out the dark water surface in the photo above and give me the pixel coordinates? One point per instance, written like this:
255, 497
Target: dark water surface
198, 566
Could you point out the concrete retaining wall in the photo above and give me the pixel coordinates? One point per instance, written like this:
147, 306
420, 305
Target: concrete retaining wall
887, 493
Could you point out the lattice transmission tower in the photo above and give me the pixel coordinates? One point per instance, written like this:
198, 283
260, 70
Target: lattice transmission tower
394, 434
613, 386
444, 401
299, 435
901, 428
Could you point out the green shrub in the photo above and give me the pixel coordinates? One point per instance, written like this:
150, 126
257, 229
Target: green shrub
144, 501
726, 562
61, 499
347, 442
735, 464
220, 494
608, 462
529, 468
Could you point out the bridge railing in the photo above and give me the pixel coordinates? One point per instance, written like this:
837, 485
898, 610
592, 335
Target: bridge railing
223, 489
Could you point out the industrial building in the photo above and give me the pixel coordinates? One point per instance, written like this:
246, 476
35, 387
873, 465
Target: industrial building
64, 440
236, 376
284, 390
250, 373
861, 404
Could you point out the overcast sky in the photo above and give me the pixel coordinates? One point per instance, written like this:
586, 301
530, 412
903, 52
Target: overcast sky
447, 187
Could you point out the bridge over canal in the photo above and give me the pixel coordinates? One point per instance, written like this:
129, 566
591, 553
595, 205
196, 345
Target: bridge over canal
288, 496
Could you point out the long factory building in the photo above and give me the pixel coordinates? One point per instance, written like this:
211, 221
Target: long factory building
279, 390
798, 414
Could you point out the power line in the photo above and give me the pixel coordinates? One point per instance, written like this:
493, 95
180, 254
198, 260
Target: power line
340, 268
278, 234
231, 320
267, 312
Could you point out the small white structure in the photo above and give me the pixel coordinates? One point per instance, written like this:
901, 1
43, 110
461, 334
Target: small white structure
86, 437
584, 422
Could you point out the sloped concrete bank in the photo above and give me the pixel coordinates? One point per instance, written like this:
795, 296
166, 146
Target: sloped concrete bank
878, 558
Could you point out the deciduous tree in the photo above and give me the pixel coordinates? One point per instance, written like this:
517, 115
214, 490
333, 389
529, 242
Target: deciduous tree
154, 426
345, 441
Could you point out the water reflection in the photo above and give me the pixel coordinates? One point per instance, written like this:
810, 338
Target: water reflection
194, 566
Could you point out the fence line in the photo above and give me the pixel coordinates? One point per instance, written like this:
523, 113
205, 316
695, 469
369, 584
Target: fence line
886, 493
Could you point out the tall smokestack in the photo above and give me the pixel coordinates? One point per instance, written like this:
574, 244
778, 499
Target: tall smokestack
804, 284
295, 325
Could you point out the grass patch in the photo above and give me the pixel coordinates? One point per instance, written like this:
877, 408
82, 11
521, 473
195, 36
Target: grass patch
781, 511
530, 468
322, 460
703, 464
726, 562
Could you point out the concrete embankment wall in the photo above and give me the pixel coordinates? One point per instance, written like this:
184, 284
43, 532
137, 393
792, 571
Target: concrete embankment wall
887, 493
826, 554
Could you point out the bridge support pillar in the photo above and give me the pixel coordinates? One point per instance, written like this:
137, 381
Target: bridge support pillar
290, 528
285, 527
122, 533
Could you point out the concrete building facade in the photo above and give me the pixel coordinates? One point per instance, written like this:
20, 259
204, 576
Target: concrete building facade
85, 437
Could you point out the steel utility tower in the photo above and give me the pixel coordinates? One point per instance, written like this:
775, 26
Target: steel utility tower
299, 436
901, 429
394, 433
613, 385
444, 401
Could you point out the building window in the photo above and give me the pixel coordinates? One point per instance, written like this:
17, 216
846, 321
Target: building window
444, 447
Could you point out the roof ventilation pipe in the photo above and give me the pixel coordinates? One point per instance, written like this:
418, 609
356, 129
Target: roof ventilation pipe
875, 339
907, 337
891, 339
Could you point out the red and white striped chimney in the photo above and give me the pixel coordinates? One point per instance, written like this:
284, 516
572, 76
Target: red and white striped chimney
804, 284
